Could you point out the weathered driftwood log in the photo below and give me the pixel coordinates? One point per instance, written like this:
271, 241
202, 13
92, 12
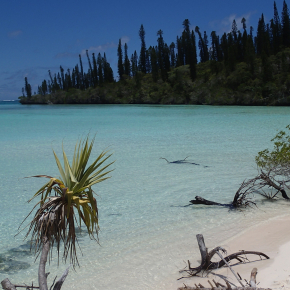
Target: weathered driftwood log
219, 286
241, 198
200, 200
207, 264
200, 287
7, 285
180, 161
249, 187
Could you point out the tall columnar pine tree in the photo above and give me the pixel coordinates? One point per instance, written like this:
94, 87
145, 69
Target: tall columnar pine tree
276, 30
244, 39
50, 76
205, 41
285, 25
90, 72
239, 44
148, 65
100, 69
215, 47
95, 70
153, 63
142, 56
250, 52
187, 49
68, 79
59, 81
172, 54
127, 65
62, 82
235, 31
224, 47
134, 62
108, 72
186, 42
44, 88
78, 77
81, 73
260, 38
202, 45
232, 53
192, 57
27, 88
162, 56
180, 54
233, 46
120, 61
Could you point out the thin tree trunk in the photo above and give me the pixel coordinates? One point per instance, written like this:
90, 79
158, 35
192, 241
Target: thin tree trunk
42, 277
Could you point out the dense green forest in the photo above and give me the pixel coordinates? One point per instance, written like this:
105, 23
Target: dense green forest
237, 68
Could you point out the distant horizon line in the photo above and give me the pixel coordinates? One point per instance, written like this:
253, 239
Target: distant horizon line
9, 100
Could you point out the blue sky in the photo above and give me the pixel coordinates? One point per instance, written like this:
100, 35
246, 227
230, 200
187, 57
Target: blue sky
37, 36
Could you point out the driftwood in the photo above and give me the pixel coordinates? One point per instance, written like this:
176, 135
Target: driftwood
241, 198
248, 188
198, 287
207, 264
180, 161
200, 200
219, 286
7, 285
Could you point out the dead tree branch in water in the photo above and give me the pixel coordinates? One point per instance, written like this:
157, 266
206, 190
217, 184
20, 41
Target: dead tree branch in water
257, 185
180, 161
241, 198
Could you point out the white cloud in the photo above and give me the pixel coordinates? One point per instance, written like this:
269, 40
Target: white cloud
14, 34
124, 39
225, 25
99, 48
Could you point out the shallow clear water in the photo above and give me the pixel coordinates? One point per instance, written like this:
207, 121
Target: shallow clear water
146, 233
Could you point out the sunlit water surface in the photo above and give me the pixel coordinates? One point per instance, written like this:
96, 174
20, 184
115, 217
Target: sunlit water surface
146, 233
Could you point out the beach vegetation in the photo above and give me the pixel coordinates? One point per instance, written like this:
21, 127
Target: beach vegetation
279, 157
66, 203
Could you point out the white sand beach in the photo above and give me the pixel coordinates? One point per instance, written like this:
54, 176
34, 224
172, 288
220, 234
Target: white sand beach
271, 237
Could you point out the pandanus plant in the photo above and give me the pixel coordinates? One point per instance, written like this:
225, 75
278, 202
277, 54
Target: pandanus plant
66, 203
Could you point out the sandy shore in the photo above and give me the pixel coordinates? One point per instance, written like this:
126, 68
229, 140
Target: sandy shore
271, 237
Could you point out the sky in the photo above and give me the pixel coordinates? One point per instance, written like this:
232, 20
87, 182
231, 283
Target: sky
37, 35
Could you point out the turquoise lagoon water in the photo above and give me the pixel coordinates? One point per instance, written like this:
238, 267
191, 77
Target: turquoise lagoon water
146, 233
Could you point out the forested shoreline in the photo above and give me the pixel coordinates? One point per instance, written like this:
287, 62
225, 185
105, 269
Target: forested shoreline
237, 68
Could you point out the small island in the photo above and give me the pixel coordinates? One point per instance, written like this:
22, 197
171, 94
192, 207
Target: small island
236, 68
